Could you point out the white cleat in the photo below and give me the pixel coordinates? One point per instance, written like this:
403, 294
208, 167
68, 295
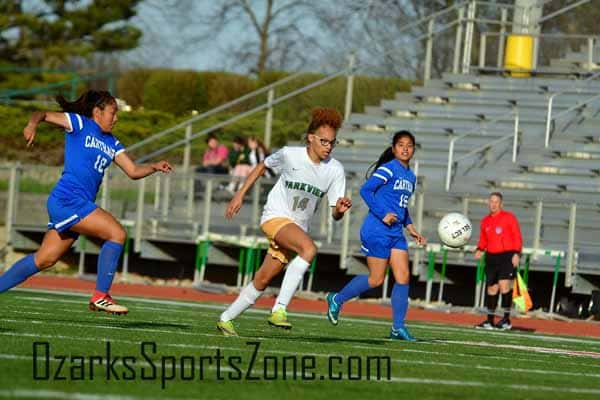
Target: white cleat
108, 305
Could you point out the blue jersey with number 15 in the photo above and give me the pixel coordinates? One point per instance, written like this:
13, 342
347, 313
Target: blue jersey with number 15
388, 191
88, 152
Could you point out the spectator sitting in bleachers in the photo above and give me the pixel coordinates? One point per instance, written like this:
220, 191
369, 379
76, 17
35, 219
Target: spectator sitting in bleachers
214, 160
258, 153
239, 163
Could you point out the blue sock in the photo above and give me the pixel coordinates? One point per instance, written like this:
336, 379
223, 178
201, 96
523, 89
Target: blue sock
20, 271
399, 304
108, 261
354, 288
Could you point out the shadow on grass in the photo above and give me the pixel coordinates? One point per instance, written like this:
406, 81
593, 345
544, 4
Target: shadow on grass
327, 339
127, 324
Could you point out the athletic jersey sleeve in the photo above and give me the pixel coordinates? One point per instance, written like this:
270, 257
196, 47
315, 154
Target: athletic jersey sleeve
516, 233
75, 122
407, 219
119, 148
337, 188
276, 161
482, 245
367, 192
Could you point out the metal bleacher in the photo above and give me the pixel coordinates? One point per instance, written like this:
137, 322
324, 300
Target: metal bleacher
554, 190
566, 172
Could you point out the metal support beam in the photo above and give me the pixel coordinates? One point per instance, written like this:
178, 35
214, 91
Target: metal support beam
349, 86
570, 270
269, 118
458, 41
428, 50
537, 228
139, 219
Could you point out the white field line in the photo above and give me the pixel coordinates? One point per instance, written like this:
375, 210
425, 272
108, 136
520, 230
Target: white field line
386, 349
406, 380
441, 327
546, 350
53, 394
296, 353
567, 351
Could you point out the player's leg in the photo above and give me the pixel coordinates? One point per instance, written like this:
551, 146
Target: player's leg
270, 268
292, 238
505, 278
103, 225
491, 300
376, 247
54, 245
400, 268
358, 285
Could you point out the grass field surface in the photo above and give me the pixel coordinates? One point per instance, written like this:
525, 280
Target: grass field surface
168, 349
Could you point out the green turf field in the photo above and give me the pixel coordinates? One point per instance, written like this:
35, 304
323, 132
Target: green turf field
452, 362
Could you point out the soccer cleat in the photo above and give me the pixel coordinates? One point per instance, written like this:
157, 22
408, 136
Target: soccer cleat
485, 325
226, 328
503, 324
333, 309
279, 319
402, 334
108, 305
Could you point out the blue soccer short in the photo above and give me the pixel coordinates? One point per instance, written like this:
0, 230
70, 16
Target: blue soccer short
65, 211
376, 244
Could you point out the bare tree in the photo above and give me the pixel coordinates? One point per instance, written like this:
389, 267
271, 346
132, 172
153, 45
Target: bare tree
270, 34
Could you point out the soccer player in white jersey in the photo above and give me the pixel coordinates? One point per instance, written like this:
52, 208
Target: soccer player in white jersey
307, 174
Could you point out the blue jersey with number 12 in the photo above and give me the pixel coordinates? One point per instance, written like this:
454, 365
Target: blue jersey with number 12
388, 190
88, 152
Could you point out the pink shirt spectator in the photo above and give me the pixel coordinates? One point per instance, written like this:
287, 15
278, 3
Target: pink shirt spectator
215, 156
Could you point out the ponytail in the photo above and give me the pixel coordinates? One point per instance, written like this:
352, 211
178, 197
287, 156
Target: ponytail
388, 153
85, 104
386, 156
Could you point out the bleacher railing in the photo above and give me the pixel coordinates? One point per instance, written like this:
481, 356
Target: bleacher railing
550, 119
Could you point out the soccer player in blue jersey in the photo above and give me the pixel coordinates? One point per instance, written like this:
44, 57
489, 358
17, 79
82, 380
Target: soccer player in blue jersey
90, 147
389, 185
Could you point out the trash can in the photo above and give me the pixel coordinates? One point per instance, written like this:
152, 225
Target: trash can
519, 55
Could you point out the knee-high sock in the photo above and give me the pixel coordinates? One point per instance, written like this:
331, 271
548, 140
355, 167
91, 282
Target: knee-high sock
245, 299
19, 271
108, 261
399, 304
291, 280
506, 303
491, 302
358, 285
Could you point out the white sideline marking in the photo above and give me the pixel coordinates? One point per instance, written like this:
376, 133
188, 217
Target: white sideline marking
433, 326
49, 394
267, 351
486, 357
53, 394
579, 353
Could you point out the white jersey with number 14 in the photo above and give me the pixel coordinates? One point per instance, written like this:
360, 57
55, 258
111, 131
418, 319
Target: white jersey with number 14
301, 185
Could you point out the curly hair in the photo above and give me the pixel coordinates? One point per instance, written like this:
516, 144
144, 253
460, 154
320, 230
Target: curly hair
324, 116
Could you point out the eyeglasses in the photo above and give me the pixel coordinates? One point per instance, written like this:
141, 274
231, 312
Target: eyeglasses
325, 142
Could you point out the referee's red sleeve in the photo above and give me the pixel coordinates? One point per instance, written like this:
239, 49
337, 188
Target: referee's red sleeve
517, 238
482, 245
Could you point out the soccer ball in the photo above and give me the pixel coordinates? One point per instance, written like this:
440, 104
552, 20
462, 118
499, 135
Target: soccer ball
454, 230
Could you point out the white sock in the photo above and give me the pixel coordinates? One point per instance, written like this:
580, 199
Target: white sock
292, 278
245, 299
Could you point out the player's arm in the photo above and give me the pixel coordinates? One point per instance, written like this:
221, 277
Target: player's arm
420, 239
52, 117
235, 204
367, 192
518, 240
482, 244
138, 171
342, 205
